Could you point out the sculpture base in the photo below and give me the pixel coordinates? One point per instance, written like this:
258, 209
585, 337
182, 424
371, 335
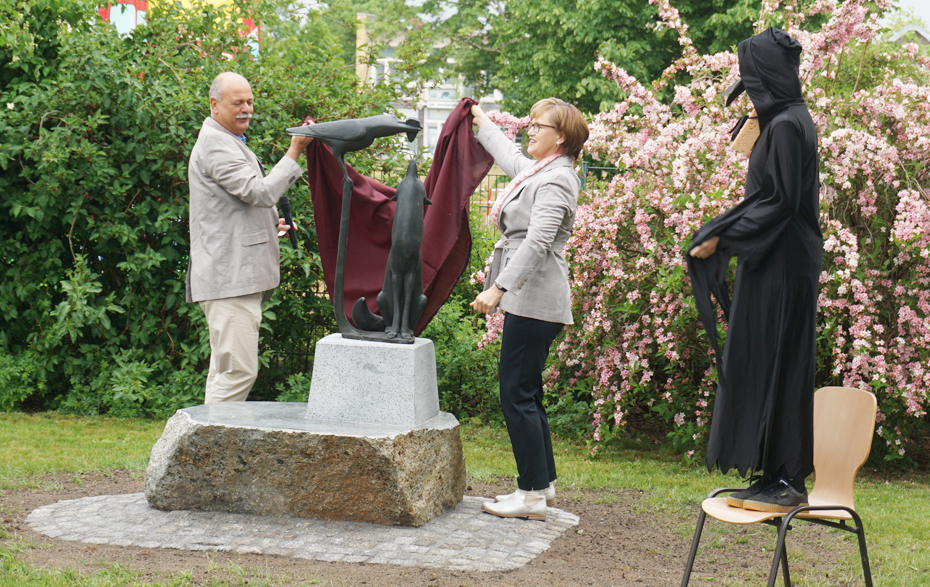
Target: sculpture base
266, 458
373, 382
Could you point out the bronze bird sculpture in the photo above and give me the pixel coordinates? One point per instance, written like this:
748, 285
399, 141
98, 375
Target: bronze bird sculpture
346, 136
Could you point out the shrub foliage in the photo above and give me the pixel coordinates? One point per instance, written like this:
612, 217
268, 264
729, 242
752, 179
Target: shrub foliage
95, 133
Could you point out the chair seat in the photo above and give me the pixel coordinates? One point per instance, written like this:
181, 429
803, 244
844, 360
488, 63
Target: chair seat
716, 507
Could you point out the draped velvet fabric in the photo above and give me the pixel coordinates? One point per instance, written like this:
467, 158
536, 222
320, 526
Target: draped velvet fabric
459, 165
763, 410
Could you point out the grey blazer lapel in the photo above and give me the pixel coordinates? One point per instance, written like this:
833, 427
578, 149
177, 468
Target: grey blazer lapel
562, 161
251, 157
513, 194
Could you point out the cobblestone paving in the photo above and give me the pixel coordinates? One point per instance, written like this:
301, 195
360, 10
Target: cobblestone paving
464, 538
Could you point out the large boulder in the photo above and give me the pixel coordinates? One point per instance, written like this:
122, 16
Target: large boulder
268, 458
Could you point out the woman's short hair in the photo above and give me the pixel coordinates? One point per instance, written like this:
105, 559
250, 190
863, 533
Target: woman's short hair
568, 121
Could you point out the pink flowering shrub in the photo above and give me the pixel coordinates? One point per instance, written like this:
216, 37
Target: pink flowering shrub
510, 124
637, 344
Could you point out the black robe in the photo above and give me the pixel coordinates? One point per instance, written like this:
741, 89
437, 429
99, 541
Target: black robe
763, 411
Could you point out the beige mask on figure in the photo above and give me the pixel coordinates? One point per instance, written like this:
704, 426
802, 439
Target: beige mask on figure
745, 134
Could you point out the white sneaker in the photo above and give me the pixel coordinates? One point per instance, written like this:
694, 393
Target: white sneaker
549, 492
530, 505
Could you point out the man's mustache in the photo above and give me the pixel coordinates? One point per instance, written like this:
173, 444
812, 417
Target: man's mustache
246, 116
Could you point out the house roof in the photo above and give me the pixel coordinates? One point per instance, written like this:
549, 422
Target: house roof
923, 37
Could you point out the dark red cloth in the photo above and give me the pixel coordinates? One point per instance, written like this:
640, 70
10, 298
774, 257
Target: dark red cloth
459, 165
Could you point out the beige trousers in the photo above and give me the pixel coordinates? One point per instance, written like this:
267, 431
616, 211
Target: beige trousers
234, 324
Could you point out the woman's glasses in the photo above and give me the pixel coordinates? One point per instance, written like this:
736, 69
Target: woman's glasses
535, 126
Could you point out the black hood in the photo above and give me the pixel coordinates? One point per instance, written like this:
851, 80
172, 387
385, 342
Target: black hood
768, 67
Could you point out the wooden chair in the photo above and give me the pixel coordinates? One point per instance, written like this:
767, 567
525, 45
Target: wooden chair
844, 422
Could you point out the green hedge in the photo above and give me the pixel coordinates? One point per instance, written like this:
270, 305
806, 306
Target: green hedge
95, 133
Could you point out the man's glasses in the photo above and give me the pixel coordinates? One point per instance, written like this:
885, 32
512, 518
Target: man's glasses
535, 126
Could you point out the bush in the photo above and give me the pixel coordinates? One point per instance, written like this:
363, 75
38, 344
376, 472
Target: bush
94, 141
20, 377
295, 389
638, 343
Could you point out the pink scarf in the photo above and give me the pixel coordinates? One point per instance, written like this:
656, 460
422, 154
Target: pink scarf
499, 202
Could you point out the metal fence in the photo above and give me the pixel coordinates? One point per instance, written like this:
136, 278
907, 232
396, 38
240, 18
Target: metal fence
596, 172
483, 198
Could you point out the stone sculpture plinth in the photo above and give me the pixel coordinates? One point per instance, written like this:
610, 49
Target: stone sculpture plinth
373, 382
402, 466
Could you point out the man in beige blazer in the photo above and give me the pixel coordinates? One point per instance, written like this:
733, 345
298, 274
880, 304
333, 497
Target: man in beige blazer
233, 235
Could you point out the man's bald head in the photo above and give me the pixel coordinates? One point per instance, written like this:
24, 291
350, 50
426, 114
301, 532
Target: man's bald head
216, 88
231, 102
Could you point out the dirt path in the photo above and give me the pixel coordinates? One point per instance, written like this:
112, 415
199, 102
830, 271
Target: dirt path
620, 541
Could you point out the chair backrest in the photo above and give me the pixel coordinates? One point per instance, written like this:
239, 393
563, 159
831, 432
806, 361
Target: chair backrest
844, 422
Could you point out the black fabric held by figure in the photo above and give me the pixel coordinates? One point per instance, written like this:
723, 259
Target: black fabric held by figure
763, 412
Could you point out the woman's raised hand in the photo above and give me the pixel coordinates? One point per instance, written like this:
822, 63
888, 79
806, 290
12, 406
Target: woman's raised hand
479, 117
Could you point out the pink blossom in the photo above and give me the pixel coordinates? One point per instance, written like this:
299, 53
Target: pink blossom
636, 338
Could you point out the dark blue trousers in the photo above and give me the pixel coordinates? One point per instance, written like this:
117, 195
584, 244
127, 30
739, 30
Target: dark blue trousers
524, 350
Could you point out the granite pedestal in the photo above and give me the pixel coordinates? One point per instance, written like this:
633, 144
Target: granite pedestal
372, 452
373, 382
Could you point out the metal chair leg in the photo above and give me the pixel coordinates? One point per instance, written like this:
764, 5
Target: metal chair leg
694, 546
863, 551
781, 556
784, 565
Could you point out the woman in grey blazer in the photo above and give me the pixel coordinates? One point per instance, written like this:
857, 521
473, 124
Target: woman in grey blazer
528, 281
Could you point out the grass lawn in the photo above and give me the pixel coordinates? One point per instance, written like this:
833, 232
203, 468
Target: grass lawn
894, 505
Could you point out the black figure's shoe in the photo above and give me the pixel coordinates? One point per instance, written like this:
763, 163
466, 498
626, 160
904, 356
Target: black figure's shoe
780, 496
756, 485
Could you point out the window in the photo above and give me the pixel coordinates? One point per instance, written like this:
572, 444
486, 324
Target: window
442, 94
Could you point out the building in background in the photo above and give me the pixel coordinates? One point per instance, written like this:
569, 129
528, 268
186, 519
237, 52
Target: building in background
125, 14
920, 36
432, 106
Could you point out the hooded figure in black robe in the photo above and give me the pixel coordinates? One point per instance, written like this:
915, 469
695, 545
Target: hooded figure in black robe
763, 412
